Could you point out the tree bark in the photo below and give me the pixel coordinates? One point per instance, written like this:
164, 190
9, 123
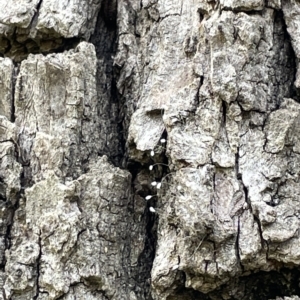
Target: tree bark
149, 149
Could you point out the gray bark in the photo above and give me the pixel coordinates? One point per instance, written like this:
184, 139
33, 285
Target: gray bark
149, 149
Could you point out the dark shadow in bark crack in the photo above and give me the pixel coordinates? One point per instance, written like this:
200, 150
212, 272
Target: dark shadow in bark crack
257, 286
282, 37
110, 110
260, 286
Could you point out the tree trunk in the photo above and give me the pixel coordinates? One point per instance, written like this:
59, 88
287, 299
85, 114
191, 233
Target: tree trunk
150, 150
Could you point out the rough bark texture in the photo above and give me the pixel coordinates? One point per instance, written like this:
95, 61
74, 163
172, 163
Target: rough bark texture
150, 150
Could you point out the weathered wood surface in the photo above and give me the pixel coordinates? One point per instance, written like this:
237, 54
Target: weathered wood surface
195, 103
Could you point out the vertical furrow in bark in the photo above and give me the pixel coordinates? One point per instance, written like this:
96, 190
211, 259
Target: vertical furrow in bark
149, 149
